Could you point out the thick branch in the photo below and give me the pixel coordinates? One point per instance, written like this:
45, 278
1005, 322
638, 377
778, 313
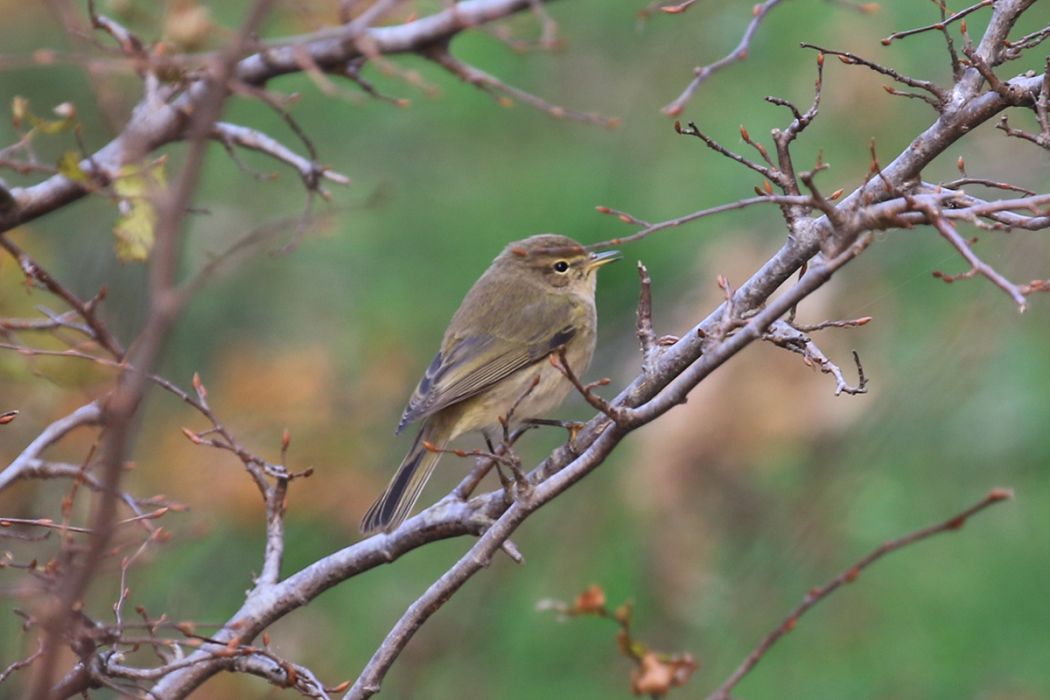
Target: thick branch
152, 124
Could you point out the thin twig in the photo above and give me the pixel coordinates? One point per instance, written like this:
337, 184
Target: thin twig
816, 595
739, 53
646, 335
492, 84
784, 335
937, 95
936, 26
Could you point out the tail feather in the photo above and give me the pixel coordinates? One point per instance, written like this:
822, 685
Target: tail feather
391, 509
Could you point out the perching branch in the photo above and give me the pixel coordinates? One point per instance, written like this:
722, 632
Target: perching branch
824, 233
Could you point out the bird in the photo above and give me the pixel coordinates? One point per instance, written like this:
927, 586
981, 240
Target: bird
535, 299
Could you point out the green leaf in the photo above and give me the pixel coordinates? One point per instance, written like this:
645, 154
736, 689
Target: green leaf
135, 228
50, 126
69, 165
20, 113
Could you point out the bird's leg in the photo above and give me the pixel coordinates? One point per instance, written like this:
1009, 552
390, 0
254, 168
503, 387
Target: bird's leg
506, 456
573, 426
496, 455
496, 458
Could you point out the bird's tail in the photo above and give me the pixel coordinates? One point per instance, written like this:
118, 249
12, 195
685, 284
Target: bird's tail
403, 490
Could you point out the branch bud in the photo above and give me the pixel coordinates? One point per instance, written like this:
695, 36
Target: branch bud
198, 387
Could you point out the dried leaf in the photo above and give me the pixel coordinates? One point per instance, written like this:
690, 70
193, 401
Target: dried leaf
591, 600
655, 676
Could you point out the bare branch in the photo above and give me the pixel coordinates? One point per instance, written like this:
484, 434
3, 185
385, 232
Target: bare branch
702, 73
21, 663
87, 415
977, 266
784, 335
489, 83
615, 413
816, 595
123, 403
936, 97
155, 122
86, 310
823, 235
646, 335
936, 26
310, 171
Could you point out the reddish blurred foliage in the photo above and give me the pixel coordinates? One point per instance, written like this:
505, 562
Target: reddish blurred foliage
655, 673
656, 676
591, 600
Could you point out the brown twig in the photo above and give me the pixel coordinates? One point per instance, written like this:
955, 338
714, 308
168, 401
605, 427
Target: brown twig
123, 403
21, 663
86, 310
784, 335
936, 97
739, 53
936, 26
816, 595
490, 83
310, 171
644, 314
977, 266
87, 415
617, 414
850, 323
1042, 139
655, 673
886, 201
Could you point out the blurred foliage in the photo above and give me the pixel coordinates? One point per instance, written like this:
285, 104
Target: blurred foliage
716, 519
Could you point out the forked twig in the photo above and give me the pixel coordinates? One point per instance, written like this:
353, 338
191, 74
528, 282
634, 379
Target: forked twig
617, 414
739, 53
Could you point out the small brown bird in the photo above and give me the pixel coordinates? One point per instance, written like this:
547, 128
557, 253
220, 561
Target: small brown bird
537, 296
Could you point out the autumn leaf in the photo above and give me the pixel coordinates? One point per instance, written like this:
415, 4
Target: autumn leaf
135, 229
591, 600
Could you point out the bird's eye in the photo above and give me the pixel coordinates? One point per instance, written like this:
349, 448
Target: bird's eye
561, 266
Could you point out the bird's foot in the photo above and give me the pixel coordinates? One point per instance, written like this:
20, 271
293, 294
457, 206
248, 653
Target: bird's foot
572, 426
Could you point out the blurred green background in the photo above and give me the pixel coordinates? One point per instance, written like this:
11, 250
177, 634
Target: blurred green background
716, 519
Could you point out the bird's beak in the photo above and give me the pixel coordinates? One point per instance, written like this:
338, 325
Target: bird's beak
597, 260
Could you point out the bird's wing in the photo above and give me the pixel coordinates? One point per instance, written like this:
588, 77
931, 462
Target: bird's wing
472, 361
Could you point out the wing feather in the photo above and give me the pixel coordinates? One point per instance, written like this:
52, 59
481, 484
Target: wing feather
473, 360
